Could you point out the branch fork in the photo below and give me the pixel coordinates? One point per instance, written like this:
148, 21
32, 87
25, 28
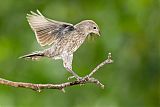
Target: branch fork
38, 87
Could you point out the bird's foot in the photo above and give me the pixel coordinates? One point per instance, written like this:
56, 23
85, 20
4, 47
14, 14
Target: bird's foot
78, 78
71, 77
87, 78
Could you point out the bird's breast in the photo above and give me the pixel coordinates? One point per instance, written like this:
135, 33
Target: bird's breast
76, 42
69, 44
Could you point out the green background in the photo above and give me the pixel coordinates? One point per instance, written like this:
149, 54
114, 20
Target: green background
130, 30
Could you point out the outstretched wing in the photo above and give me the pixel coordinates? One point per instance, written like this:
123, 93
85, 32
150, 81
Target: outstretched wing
47, 31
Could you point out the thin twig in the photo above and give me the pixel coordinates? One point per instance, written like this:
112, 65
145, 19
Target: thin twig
108, 61
39, 87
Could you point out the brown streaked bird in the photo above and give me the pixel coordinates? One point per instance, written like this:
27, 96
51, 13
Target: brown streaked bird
63, 38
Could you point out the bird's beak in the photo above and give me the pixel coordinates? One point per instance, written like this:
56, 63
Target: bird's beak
99, 34
95, 34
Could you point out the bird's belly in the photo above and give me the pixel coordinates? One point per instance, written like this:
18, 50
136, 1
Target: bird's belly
56, 57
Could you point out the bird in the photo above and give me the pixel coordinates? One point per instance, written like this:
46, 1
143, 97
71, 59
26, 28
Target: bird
62, 38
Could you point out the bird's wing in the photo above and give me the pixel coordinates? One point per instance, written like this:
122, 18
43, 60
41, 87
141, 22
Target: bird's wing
47, 31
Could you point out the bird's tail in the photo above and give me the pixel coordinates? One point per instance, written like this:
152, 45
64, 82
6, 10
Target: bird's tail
34, 56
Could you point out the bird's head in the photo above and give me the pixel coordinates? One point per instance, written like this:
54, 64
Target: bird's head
90, 27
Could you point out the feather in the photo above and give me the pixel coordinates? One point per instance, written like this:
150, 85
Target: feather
47, 31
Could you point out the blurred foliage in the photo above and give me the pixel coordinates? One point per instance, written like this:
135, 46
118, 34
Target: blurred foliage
130, 30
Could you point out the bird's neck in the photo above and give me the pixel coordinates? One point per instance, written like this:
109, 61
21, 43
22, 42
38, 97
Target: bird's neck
81, 29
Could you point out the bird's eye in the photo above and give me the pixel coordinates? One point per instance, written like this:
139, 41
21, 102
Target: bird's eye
94, 28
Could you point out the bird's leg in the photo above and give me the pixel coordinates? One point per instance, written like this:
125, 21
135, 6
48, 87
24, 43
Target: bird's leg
73, 73
67, 63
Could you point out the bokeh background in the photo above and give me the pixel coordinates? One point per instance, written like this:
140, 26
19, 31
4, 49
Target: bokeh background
130, 30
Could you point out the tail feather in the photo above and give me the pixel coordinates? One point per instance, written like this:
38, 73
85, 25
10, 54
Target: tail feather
33, 56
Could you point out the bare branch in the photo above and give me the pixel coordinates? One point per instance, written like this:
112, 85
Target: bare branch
39, 87
108, 61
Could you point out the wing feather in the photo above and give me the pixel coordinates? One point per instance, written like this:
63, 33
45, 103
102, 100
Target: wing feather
47, 31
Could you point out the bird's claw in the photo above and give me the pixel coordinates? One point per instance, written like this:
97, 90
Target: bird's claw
78, 78
70, 77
